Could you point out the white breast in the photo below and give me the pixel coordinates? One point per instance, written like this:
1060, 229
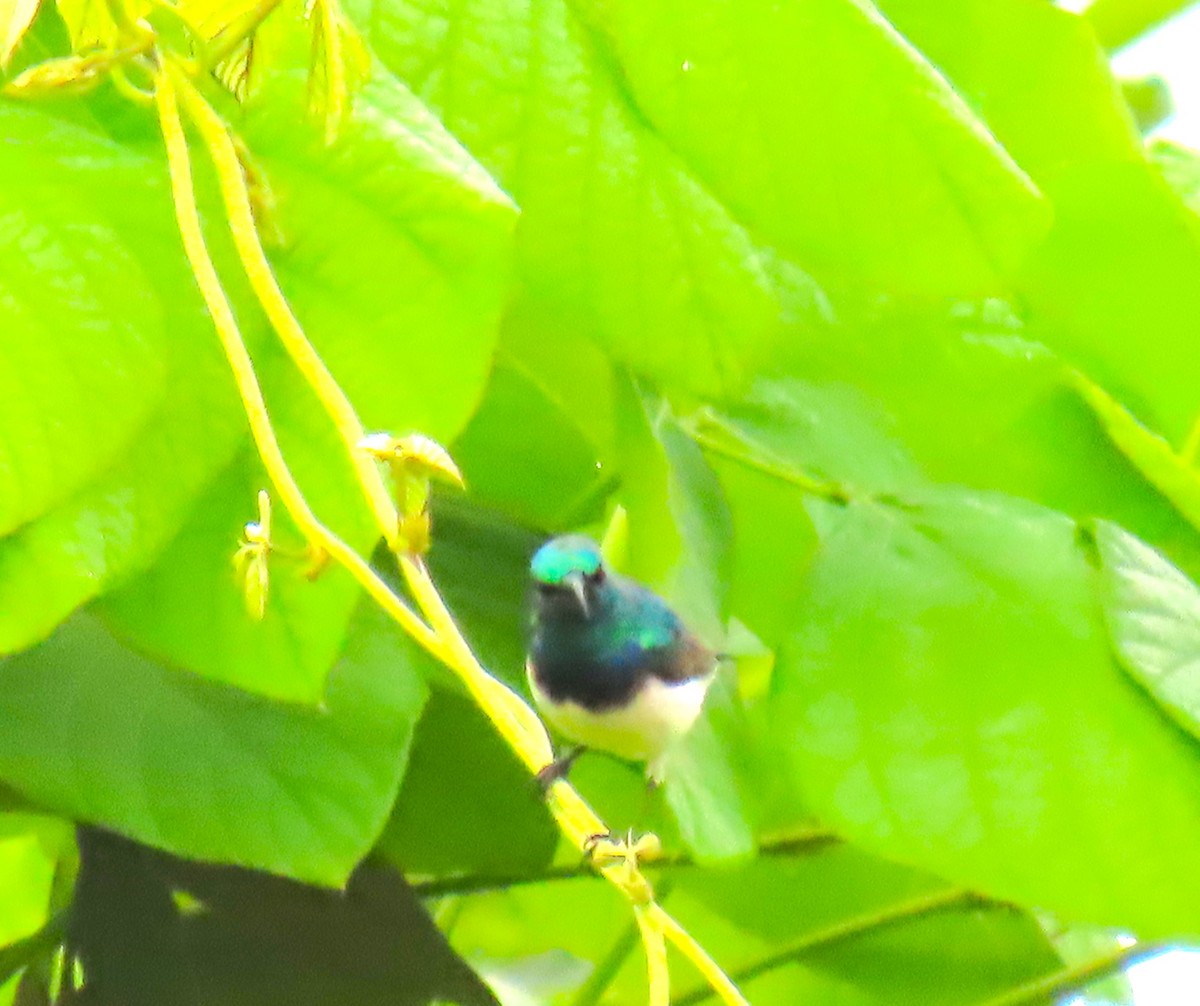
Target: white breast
640, 731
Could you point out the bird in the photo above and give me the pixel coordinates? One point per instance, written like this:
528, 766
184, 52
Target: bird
610, 666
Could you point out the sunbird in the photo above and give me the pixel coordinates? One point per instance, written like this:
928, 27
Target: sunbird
610, 665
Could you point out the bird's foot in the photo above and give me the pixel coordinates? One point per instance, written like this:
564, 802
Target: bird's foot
557, 769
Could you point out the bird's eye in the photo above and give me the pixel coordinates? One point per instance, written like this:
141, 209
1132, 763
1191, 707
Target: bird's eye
544, 588
597, 576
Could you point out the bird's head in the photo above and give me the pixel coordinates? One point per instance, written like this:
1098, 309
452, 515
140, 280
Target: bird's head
568, 573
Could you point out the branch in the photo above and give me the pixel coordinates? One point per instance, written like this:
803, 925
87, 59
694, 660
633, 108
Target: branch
804, 842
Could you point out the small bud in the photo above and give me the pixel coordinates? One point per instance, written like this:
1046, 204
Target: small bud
250, 559
418, 453
67, 76
414, 460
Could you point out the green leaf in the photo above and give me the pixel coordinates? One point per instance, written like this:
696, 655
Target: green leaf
1122, 256
822, 914
1153, 616
678, 522
830, 138
101, 734
832, 926
618, 237
702, 788
1056, 106
190, 610
117, 525
81, 319
169, 398
1119, 22
966, 398
554, 455
32, 848
949, 699
467, 805
773, 545
396, 254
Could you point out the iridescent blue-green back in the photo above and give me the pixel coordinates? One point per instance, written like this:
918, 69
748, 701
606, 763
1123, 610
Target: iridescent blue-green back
600, 661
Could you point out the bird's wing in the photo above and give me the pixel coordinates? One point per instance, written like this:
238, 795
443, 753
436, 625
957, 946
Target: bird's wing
688, 659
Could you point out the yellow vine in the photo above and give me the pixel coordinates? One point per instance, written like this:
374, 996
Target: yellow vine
434, 628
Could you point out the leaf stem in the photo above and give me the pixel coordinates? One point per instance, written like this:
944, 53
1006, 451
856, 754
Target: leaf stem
1075, 977
754, 457
312, 368
242, 367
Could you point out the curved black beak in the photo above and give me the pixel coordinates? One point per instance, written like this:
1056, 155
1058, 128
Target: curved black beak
578, 584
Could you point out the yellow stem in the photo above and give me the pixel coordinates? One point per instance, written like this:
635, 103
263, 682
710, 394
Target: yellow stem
187, 213
335, 69
686, 944
224, 154
656, 955
513, 718
517, 723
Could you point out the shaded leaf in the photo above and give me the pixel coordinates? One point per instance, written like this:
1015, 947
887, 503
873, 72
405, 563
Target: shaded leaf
153, 929
524, 454
467, 805
678, 521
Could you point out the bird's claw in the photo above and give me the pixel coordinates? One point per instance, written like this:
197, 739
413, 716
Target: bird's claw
608, 850
548, 775
620, 859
